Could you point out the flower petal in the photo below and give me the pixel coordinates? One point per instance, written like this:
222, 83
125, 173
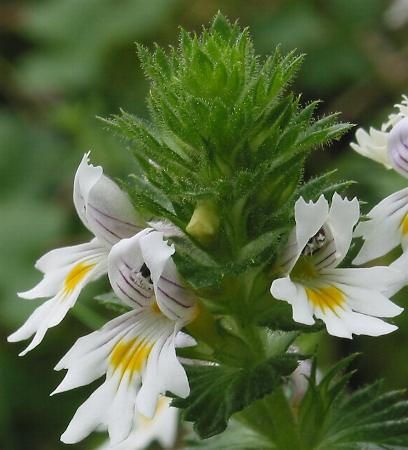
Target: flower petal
293, 293
397, 147
131, 283
343, 215
104, 208
372, 145
65, 284
174, 299
309, 218
163, 428
86, 177
88, 359
137, 351
335, 325
91, 413
379, 278
110, 213
163, 373
385, 228
370, 326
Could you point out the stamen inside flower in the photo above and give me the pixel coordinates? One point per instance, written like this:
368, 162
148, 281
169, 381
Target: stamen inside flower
77, 273
130, 356
315, 243
329, 297
142, 279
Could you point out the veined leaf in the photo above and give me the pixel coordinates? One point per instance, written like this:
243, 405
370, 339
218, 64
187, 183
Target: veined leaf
217, 392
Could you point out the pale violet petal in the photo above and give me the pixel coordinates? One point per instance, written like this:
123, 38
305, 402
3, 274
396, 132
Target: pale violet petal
397, 147
343, 215
103, 207
131, 283
174, 299
110, 213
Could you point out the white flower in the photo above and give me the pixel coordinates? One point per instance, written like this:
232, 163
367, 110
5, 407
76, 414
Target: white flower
136, 350
397, 14
108, 213
375, 143
346, 299
385, 229
162, 427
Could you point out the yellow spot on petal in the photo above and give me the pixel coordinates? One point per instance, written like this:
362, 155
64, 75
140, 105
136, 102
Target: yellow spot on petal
75, 276
404, 225
329, 297
155, 308
163, 403
130, 356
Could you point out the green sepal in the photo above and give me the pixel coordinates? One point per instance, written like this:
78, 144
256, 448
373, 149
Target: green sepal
217, 392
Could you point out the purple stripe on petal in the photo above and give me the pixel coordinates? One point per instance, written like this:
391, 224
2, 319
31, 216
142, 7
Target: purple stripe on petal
173, 283
178, 302
132, 225
127, 295
106, 228
132, 286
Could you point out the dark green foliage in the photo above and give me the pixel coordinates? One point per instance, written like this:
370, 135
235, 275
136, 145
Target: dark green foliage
330, 418
217, 392
279, 317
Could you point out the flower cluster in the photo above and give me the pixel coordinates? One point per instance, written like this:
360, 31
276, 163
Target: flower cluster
216, 229
136, 351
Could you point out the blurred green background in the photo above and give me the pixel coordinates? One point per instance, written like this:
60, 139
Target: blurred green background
64, 62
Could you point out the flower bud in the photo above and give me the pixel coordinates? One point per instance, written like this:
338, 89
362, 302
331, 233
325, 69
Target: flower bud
204, 222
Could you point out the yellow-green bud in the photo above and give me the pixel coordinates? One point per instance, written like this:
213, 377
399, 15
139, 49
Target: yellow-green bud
204, 222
